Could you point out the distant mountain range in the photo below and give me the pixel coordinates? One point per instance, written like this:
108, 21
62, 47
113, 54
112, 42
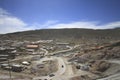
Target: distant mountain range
73, 34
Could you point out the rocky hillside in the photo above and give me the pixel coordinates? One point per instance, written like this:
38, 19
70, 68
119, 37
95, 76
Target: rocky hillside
65, 34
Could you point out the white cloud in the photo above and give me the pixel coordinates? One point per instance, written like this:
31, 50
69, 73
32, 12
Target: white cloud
3, 12
50, 22
78, 24
44, 25
86, 24
10, 23
112, 25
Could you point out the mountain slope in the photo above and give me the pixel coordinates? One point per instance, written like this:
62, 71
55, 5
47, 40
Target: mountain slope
65, 34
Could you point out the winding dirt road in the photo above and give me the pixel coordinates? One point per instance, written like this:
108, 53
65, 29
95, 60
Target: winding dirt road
61, 69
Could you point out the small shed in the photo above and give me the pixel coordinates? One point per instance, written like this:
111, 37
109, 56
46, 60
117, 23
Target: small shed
32, 46
85, 68
17, 68
6, 66
26, 63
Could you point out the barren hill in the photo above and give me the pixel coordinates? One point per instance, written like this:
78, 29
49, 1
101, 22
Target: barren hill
66, 35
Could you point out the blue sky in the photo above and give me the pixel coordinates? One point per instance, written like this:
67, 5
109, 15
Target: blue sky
20, 15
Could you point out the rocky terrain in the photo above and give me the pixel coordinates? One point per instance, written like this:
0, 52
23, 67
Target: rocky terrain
64, 54
102, 60
71, 35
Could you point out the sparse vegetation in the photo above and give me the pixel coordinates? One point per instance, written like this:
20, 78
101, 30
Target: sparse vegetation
88, 55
